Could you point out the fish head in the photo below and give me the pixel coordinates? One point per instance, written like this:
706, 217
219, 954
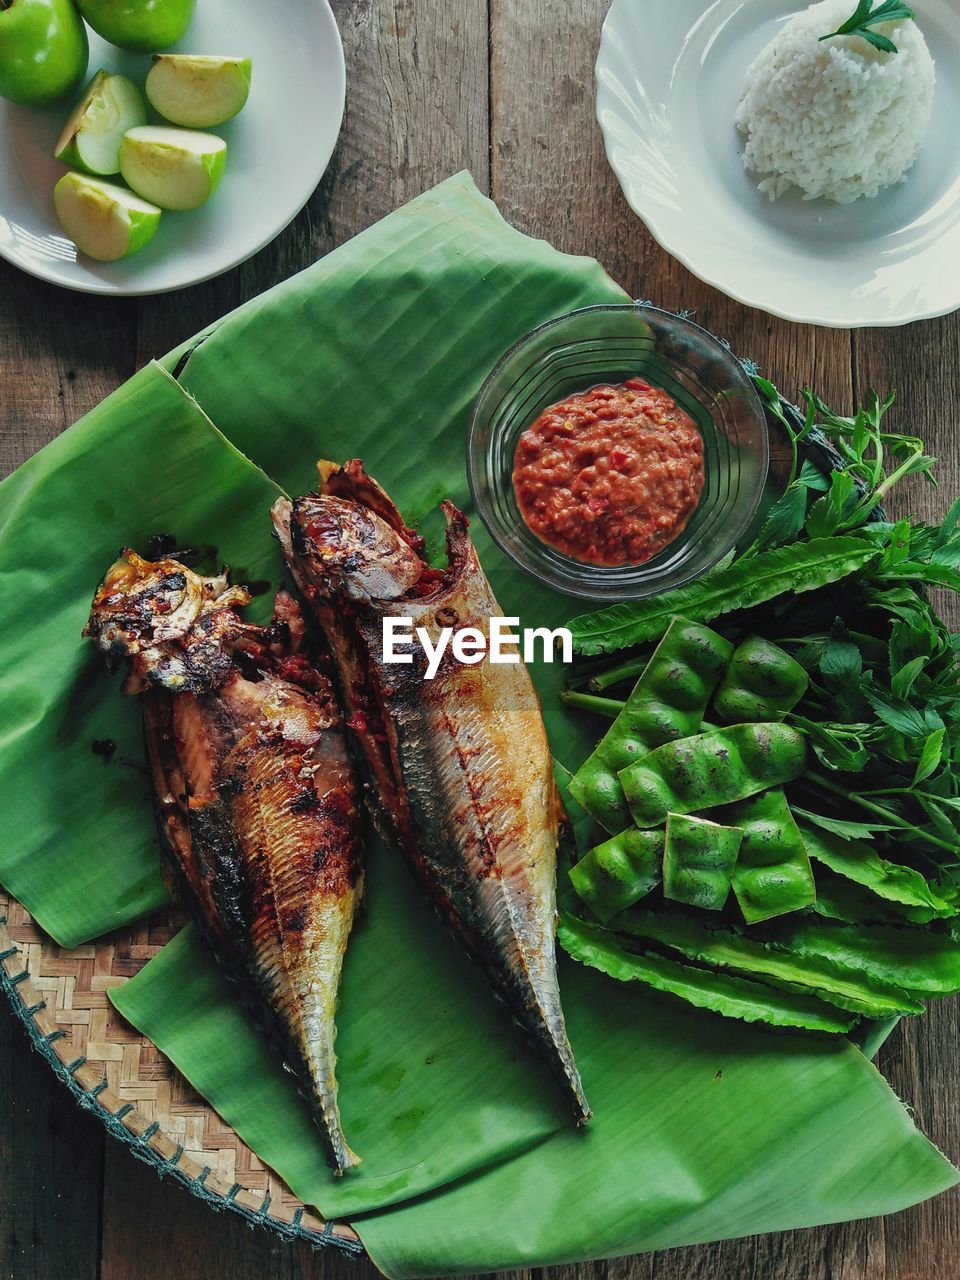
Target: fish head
140, 603
352, 482
344, 549
174, 626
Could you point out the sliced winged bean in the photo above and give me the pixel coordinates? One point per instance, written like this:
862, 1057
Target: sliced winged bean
616, 874
765, 961
772, 875
698, 861
719, 992
667, 703
762, 682
711, 769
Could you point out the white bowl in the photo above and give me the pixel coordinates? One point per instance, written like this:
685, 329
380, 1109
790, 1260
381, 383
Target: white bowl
278, 148
669, 76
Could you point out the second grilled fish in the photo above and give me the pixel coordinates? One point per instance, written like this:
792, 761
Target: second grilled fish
460, 763
256, 800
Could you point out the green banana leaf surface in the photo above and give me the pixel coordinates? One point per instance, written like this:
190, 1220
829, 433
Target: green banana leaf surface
416, 1026
704, 1128
74, 844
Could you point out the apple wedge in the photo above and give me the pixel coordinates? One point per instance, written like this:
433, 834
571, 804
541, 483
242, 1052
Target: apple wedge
174, 168
103, 220
198, 90
91, 137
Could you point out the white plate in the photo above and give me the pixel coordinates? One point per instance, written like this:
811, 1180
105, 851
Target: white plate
669, 75
279, 147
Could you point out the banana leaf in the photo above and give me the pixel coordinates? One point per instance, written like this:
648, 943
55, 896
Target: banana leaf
436, 1082
704, 1129
378, 351
76, 844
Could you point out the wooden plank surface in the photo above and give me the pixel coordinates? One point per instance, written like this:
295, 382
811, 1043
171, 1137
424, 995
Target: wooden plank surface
505, 89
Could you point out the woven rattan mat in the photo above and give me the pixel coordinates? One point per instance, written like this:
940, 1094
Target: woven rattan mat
61, 998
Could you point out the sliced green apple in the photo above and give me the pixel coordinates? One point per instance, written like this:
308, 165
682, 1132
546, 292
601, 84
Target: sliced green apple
103, 220
174, 168
91, 137
198, 90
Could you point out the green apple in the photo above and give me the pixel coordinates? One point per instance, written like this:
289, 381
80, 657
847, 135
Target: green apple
174, 168
198, 90
43, 50
91, 137
141, 25
103, 220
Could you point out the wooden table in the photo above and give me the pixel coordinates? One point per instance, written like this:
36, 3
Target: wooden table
503, 88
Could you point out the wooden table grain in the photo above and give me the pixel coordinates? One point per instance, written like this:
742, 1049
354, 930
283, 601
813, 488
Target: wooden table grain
503, 88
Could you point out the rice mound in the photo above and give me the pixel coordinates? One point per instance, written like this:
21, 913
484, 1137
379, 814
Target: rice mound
839, 119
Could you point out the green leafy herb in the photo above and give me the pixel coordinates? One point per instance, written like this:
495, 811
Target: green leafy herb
859, 862
841, 593
865, 17
842, 827
845, 901
839, 747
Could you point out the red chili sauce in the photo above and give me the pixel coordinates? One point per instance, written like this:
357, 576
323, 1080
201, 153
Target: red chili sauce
611, 475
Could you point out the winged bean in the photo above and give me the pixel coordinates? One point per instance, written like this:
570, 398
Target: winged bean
922, 961
772, 875
719, 992
711, 769
698, 861
616, 874
762, 682
767, 962
667, 703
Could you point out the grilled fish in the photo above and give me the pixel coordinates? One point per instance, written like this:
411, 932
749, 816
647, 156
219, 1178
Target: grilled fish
460, 763
256, 797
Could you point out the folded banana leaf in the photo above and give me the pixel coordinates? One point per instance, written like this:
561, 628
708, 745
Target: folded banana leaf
378, 351
704, 1129
436, 1082
76, 841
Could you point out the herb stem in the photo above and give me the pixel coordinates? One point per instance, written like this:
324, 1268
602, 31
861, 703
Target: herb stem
627, 670
902, 470
609, 707
794, 458
887, 814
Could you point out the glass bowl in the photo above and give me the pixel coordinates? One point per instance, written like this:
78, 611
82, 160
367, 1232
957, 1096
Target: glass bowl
605, 344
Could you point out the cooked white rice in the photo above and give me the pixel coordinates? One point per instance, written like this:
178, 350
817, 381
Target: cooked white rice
838, 119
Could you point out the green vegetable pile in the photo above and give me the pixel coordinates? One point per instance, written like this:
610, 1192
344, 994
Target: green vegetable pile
779, 790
